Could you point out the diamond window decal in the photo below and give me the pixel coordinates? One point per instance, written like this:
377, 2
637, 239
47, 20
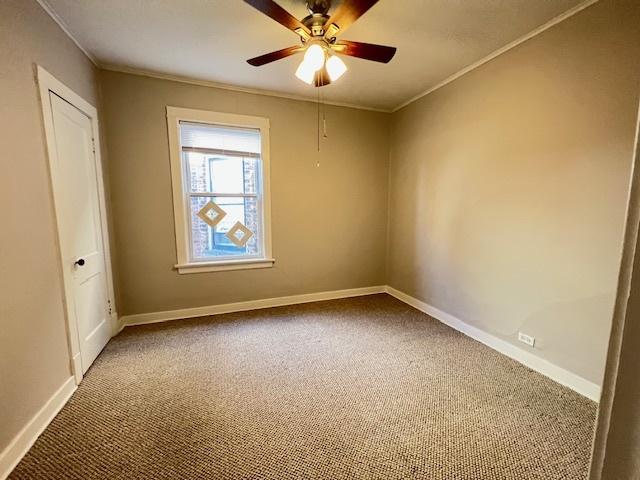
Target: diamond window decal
212, 214
239, 234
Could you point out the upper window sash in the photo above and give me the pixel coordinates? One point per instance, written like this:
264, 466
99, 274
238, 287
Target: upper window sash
219, 151
254, 190
213, 194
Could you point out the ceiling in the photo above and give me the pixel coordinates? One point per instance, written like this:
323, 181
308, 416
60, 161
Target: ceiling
211, 39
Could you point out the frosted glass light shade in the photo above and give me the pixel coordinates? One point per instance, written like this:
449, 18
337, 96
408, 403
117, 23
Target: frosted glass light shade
305, 72
335, 67
314, 57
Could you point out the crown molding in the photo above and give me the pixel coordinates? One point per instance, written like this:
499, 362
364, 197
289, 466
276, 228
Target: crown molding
500, 51
207, 83
175, 78
56, 18
234, 88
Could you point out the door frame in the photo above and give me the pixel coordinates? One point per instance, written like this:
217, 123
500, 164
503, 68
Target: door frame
617, 435
48, 83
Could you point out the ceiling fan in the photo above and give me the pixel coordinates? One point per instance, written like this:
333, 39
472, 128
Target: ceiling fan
318, 34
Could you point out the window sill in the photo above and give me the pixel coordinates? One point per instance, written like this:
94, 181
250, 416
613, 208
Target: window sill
202, 267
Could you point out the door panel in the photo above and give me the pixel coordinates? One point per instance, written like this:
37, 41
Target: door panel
77, 207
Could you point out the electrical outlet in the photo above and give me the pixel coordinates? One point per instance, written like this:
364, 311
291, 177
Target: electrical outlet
524, 338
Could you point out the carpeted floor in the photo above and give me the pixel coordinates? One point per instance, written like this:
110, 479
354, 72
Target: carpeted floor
363, 388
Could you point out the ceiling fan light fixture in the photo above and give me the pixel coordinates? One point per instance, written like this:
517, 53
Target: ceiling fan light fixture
335, 67
306, 73
314, 57
318, 33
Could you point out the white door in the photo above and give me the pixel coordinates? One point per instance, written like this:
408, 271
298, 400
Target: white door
80, 228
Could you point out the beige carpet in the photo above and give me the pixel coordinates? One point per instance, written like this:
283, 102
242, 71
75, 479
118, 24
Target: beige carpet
364, 388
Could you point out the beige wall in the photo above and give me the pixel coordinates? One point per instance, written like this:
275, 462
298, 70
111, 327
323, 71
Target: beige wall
328, 223
508, 187
506, 198
34, 358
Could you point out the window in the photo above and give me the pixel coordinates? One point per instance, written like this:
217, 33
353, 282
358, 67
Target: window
220, 176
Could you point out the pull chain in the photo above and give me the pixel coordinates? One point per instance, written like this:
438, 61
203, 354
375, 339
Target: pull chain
320, 103
324, 119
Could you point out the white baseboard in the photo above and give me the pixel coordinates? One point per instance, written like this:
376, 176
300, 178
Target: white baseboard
116, 324
560, 375
118, 327
23, 441
76, 367
155, 317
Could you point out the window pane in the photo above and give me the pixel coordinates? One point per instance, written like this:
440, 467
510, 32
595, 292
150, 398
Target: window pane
224, 226
221, 173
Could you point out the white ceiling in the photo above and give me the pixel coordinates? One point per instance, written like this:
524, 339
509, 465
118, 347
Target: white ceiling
211, 39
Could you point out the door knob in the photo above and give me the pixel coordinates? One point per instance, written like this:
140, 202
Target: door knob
79, 262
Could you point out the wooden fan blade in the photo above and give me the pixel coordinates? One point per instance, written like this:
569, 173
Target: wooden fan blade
279, 14
273, 56
348, 12
368, 51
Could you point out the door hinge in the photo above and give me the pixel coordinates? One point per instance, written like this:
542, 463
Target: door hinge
109, 307
93, 145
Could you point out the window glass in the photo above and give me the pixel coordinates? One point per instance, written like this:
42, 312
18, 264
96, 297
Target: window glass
221, 173
235, 233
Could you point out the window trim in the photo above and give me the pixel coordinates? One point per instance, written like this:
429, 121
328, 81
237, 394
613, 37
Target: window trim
184, 264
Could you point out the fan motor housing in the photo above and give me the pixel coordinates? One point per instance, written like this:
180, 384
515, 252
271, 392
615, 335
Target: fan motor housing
315, 23
318, 6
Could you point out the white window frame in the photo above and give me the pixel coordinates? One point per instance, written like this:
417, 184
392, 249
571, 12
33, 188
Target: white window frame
175, 115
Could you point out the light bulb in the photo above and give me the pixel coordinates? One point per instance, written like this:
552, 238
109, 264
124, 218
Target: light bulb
335, 67
314, 57
305, 72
